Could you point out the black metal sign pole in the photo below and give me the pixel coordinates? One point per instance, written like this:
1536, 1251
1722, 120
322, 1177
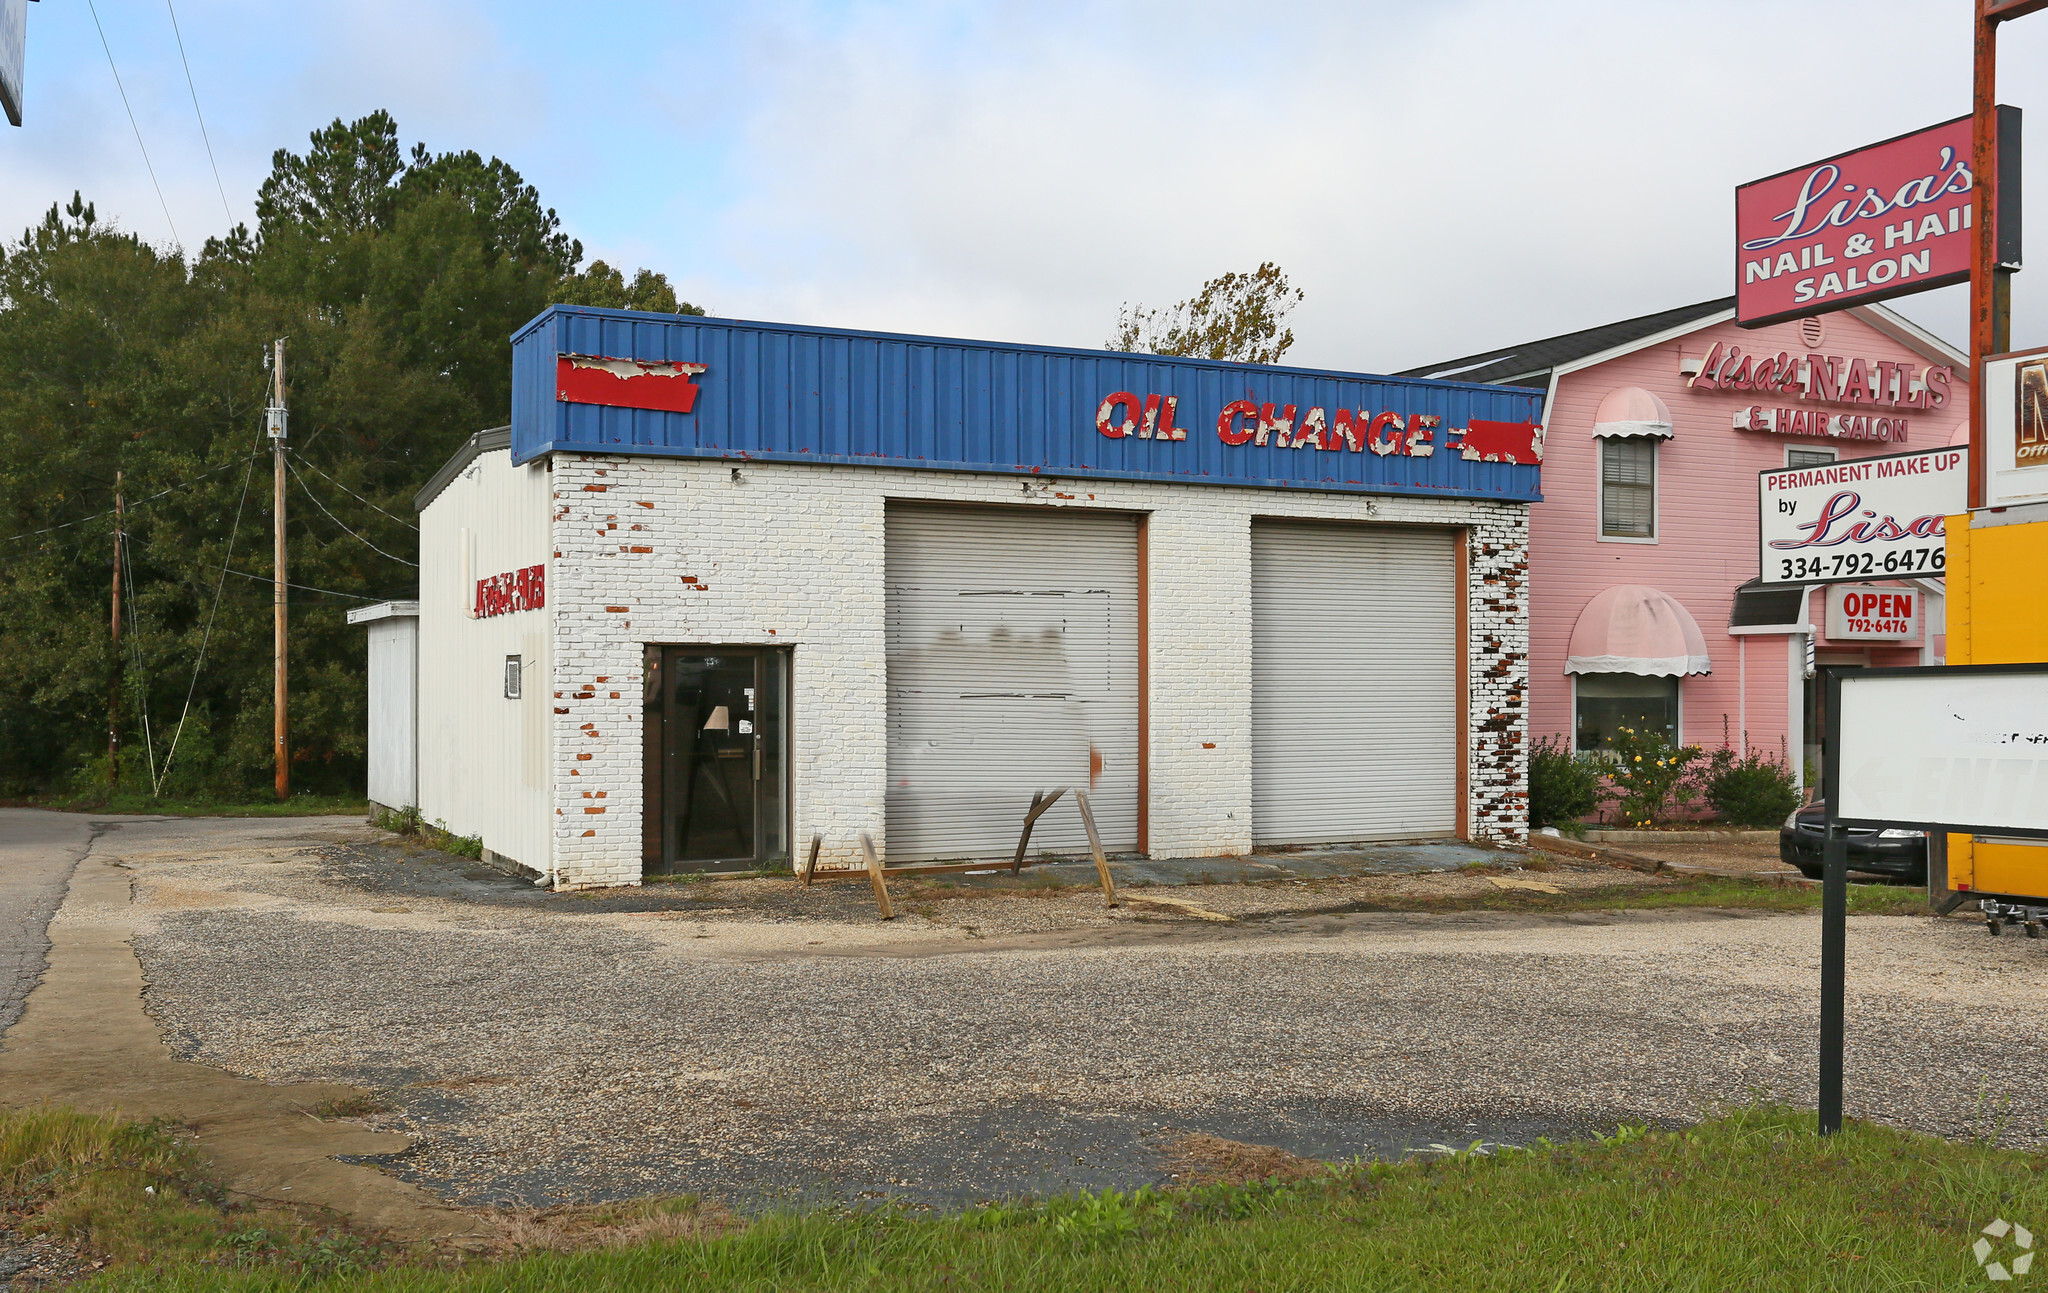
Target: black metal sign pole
1834, 914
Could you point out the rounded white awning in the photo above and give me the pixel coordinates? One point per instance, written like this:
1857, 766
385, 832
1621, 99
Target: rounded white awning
1632, 411
1634, 628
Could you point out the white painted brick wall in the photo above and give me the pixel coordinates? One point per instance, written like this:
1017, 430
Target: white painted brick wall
682, 551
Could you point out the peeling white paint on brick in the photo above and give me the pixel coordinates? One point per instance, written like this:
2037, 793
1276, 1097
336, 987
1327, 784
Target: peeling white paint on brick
683, 551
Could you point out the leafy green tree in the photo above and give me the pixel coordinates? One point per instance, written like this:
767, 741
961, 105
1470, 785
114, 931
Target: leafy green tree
397, 282
1239, 317
603, 286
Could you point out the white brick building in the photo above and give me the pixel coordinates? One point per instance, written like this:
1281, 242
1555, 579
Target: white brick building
837, 594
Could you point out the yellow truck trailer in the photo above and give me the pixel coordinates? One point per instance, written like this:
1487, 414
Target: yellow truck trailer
1997, 614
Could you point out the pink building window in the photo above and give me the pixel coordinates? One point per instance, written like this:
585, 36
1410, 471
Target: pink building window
1609, 701
1628, 488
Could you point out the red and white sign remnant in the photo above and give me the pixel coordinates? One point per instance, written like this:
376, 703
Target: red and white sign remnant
525, 589
1861, 518
627, 383
1891, 218
1862, 613
1285, 426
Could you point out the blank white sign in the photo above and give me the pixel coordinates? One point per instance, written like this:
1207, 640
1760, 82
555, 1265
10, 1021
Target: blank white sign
1955, 749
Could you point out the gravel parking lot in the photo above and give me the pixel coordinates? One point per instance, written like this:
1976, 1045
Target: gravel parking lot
753, 1041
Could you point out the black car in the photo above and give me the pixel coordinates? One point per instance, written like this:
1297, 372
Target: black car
1894, 852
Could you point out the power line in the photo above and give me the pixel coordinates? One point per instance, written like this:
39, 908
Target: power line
351, 493
180, 242
308, 491
207, 637
304, 588
30, 534
197, 113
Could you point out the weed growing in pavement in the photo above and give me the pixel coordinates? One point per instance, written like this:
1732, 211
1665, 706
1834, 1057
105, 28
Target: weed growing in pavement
350, 1106
1991, 1131
401, 821
408, 823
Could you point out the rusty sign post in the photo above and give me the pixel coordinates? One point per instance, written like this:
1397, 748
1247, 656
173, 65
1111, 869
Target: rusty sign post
1996, 253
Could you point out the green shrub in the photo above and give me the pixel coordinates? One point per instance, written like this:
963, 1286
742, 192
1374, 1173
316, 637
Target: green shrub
1564, 785
1752, 788
1652, 777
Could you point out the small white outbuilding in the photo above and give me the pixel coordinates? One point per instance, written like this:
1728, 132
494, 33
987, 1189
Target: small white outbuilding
394, 701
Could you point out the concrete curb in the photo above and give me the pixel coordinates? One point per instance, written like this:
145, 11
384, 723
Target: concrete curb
1657, 866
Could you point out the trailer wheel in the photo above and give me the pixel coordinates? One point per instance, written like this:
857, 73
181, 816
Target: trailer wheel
1991, 926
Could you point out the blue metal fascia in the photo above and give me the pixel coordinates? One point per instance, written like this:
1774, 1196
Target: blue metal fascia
1044, 473
784, 393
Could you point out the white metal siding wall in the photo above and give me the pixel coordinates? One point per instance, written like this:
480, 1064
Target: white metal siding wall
484, 766
1354, 678
394, 713
1013, 666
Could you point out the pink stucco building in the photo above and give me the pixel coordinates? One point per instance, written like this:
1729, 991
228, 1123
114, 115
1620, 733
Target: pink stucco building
1647, 533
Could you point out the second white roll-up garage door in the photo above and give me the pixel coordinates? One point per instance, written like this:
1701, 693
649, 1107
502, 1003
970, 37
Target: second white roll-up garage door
1013, 668
1354, 678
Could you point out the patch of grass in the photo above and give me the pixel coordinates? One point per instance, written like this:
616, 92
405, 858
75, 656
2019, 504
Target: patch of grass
435, 835
676, 877
135, 1194
127, 803
1753, 1200
350, 1106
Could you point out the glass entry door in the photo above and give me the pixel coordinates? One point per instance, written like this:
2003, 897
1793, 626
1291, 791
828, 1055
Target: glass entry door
718, 757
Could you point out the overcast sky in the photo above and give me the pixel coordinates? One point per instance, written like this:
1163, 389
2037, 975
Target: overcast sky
1441, 177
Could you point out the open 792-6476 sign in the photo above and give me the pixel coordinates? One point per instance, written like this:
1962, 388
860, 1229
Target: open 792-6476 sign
1860, 518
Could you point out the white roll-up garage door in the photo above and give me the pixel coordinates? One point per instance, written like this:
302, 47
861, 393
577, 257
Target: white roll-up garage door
1013, 668
1354, 678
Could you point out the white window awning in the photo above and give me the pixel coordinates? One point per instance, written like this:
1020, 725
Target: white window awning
1634, 628
1632, 411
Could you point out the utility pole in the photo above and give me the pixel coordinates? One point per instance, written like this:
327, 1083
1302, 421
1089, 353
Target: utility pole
274, 418
1990, 276
114, 693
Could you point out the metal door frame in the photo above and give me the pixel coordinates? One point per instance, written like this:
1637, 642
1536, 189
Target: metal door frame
655, 856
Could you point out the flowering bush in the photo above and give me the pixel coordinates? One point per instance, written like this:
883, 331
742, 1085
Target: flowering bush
1650, 776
